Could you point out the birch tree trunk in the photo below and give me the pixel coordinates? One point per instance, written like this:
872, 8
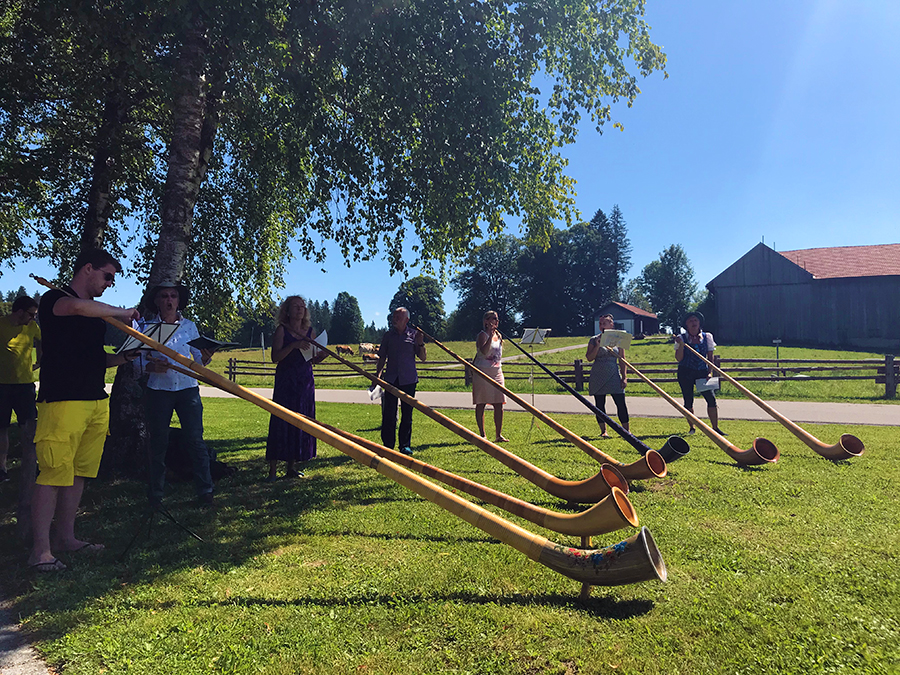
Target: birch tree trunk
186, 170
193, 130
107, 150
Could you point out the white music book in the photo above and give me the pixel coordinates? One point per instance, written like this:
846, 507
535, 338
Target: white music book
311, 350
707, 384
615, 338
534, 336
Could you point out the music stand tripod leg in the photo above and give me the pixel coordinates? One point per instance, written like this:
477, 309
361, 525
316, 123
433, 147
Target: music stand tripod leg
149, 521
533, 419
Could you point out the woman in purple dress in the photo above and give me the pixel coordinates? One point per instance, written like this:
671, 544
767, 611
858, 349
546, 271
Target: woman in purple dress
294, 387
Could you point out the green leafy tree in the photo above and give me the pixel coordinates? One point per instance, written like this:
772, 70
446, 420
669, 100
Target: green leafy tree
230, 130
222, 138
422, 297
373, 334
257, 325
669, 285
633, 295
12, 295
490, 280
346, 320
546, 289
615, 259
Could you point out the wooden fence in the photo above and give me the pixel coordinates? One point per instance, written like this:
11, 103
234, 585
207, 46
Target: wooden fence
884, 371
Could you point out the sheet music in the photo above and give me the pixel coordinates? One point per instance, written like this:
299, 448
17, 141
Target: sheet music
534, 336
311, 350
161, 332
707, 384
615, 338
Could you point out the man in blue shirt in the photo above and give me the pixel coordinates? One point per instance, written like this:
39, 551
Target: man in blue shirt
399, 348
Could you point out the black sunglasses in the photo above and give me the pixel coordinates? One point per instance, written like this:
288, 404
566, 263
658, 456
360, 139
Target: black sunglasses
110, 277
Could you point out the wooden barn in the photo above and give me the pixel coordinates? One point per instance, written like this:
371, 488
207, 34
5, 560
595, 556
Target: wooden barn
628, 317
847, 296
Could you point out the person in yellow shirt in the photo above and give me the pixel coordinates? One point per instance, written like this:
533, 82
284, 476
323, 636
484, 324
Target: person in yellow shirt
19, 337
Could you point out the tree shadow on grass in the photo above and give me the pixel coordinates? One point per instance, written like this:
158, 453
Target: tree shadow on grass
740, 467
606, 607
251, 519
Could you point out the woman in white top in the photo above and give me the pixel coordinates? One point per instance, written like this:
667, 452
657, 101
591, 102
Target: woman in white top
489, 345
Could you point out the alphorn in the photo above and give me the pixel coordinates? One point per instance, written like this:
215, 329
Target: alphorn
847, 447
763, 451
611, 513
588, 491
674, 448
569, 435
630, 561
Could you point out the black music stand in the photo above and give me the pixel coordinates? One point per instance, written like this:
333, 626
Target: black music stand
532, 337
155, 508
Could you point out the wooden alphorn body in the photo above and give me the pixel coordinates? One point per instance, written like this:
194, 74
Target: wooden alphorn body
675, 447
588, 491
630, 561
847, 447
763, 451
633, 471
649, 468
611, 513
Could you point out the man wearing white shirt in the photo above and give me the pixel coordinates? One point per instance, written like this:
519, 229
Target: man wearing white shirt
169, 391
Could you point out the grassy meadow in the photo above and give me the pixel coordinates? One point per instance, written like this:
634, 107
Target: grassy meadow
790, 568
332, 375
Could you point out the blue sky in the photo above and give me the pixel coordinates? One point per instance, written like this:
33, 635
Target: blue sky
778, 121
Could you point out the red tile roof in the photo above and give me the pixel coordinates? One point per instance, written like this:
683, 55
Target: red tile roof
848, 261
634, 310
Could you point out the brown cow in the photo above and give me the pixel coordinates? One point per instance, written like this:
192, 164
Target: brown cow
367, 348
370, 358
344, 349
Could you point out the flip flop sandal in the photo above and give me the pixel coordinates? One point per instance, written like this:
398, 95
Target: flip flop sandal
88, 547
55, 565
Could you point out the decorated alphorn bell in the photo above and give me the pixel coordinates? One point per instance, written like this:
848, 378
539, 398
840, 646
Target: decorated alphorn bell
847, 447
674, 448
588, 491
611, 513
630, 471
630, 561
763, 451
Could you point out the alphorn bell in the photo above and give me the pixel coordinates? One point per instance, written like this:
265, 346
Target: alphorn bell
629, 471
674, 448
588, 491
611, 513
847, 447
630, 561
763, 451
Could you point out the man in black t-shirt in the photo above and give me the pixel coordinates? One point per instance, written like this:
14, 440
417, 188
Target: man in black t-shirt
73, 408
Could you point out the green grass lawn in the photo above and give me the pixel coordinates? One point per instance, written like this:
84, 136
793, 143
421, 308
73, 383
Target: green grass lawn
791, 568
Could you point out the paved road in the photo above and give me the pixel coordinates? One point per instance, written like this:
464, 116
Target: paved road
874, 414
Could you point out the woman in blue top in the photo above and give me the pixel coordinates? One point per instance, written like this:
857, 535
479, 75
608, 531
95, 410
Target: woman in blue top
692, 368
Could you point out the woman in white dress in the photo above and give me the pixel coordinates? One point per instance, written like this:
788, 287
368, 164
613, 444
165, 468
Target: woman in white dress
489, 344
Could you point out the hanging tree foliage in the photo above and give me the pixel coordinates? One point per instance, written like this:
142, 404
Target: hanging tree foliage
226, 137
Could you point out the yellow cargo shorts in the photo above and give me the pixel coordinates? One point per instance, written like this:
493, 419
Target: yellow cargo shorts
69, 440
